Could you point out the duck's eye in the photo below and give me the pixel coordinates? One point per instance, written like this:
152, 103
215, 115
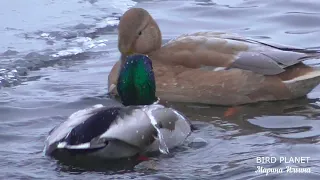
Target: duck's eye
140, 33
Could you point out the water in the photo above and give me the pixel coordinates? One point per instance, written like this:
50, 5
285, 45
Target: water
55, 57
163, 148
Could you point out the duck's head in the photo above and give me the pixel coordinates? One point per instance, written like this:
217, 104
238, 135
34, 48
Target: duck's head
138, 33
136, 82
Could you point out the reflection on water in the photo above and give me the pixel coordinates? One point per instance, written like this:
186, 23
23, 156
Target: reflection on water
282, 117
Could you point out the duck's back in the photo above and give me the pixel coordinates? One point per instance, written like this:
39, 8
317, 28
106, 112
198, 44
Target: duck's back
224, 69
211, 50
81, 127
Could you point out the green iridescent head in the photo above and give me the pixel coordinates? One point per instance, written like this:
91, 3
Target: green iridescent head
136, 83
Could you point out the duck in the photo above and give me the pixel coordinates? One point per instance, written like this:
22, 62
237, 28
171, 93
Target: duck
139, 125
215, 68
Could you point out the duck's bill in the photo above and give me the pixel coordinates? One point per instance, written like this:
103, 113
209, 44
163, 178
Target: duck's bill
133, 53
112, 90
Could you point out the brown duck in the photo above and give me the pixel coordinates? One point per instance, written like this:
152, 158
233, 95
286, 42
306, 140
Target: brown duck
215, 68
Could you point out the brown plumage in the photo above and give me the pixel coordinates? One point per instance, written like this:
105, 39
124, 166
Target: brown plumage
215, 68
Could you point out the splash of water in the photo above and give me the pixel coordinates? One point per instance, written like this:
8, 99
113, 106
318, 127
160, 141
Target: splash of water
163, 148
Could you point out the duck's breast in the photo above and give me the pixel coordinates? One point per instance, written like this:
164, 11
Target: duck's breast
173, 126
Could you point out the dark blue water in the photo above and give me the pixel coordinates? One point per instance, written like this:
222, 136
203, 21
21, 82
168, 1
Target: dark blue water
55, 57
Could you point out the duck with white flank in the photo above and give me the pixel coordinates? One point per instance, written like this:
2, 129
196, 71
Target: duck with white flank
123, 131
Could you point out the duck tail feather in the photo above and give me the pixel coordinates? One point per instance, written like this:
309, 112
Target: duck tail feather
302, 85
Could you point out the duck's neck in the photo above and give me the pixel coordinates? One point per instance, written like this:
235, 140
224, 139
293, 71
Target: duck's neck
136, 82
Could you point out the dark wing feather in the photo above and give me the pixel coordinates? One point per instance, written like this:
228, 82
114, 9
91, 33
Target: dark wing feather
257, 62
269, 59
93, 127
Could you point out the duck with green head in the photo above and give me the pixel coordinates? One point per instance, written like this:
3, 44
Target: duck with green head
123, 130
136, 83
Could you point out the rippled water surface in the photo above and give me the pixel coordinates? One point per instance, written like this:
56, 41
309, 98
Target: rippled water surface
55, 57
